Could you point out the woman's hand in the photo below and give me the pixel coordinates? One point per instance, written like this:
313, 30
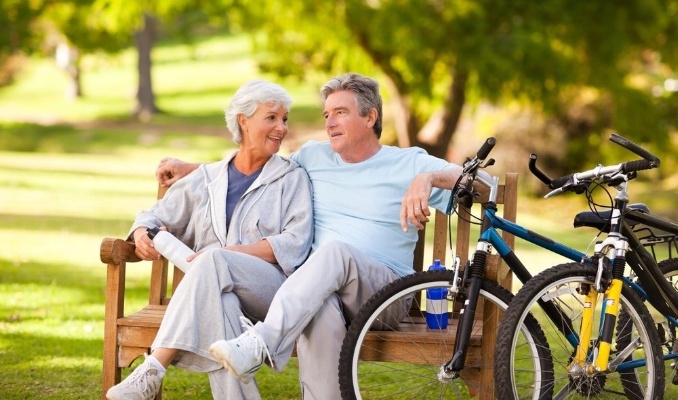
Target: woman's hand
144, 245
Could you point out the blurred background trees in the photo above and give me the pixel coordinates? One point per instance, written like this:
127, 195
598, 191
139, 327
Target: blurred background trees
550, 77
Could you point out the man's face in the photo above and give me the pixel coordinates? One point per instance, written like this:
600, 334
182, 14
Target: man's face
349, 133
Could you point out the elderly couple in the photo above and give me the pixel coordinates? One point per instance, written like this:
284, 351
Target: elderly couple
294, 245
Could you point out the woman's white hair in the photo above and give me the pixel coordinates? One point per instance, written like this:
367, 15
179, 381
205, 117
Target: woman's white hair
248, 97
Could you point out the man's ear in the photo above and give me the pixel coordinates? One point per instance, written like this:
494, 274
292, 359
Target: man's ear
371, 117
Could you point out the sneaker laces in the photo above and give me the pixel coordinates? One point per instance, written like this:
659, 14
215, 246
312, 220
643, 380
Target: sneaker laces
138, 376
259, 344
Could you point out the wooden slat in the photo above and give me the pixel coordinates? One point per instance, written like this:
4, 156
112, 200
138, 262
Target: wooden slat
398, 346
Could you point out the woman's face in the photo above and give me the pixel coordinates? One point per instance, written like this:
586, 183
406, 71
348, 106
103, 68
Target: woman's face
265, 130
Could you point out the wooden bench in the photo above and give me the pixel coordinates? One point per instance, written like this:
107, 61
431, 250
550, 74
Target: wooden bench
126, 337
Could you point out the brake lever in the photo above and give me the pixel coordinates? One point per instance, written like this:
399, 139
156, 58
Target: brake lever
621, 178
465, 198
578, 188
489, 163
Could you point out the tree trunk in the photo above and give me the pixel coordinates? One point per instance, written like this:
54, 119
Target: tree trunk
144, 39
452, 109
68, 59
437, 133
74, 89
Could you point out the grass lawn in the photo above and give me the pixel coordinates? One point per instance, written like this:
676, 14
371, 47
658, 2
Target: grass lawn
55, 207
54, 210
80, 174
65, 186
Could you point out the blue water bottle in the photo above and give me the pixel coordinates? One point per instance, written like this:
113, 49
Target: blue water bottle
436, 303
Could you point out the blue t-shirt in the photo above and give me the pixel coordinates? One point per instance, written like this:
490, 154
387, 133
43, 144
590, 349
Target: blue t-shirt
359, 203
238, 183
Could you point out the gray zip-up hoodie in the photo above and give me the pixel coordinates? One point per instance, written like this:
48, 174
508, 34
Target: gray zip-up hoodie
277, 207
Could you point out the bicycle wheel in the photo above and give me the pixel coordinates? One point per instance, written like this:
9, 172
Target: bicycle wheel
667, 332
411, 372
563, 285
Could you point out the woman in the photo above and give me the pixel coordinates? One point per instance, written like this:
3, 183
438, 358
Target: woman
249, 217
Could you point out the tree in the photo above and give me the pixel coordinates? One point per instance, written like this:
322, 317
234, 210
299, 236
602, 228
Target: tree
142, 19
438, 56
18, 33
75, 30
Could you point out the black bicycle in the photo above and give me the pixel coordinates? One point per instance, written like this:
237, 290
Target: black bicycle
616, 348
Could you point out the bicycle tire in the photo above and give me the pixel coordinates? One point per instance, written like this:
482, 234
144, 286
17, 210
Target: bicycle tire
361, 379
669, 269
667, 333
560, 284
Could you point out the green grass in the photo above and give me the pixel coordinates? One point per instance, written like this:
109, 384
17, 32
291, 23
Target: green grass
83, 172
55, 207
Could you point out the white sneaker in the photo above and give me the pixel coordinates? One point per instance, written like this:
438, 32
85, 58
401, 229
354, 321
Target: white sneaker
242, 356
142, 384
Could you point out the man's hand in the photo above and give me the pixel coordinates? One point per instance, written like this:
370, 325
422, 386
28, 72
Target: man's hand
414, 207
171, 170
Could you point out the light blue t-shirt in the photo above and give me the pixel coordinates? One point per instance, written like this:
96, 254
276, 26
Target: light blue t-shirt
359, 203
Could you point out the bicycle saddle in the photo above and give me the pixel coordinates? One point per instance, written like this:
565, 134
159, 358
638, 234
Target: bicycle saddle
599, 220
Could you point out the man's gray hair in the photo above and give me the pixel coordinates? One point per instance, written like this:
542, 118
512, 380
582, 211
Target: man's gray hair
366, 91
248, 97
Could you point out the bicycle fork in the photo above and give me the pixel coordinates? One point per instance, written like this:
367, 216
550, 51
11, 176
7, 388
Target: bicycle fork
467, 313
596, 360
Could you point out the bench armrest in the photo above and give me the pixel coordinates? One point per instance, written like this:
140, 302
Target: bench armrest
117, 251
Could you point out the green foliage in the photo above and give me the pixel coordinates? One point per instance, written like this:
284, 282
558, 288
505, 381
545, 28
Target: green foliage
17, 18
543, 55
81, 25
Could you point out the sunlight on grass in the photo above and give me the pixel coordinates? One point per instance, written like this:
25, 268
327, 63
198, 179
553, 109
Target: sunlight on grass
64, 187
55, 208
193, 83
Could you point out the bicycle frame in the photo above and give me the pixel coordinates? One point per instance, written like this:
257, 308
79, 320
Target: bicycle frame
639, 259
620, 239
489, 237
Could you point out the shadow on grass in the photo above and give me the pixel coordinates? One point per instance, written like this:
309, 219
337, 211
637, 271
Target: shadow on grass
34, 291
37, 366
58, 223
62, 138
57, 171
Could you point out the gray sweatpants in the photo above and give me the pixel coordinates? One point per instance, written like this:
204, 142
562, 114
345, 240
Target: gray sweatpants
313, 306
219, 287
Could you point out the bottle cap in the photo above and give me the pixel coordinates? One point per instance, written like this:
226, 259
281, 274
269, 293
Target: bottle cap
151, 232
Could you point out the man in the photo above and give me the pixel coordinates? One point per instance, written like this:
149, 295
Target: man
365, 197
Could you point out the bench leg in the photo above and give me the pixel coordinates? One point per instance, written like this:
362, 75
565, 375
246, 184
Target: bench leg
111, 372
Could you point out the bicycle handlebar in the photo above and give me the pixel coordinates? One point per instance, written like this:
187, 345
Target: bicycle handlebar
629, 145
570, 182
463, 189
486, 148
